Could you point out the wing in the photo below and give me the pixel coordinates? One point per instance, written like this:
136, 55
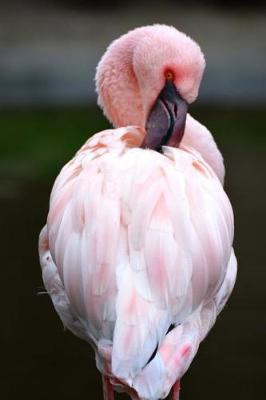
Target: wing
180, 231
179, 346
139, 241
199, 137
78, 244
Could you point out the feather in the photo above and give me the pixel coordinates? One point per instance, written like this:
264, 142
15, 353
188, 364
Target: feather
136, 242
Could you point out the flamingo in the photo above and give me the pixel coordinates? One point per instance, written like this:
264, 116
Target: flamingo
137, 251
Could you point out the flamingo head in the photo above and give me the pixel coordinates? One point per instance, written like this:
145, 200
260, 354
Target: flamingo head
148, 77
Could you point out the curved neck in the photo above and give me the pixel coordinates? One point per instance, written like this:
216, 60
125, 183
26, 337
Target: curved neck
117, 86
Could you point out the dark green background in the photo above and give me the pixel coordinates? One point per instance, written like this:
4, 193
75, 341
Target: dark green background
50, 48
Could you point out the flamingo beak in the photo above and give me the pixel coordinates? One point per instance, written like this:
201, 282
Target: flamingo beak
166, 121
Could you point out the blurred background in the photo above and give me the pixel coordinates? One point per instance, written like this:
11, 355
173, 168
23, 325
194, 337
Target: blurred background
48, 53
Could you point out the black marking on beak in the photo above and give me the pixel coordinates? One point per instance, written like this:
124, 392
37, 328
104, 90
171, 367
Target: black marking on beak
166, 121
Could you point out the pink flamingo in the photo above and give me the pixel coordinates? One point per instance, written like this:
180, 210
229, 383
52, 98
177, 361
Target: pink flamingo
137, 252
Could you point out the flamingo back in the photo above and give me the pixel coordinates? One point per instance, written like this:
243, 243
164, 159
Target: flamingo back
137, 241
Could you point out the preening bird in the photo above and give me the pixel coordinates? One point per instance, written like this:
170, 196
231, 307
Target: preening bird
137, 251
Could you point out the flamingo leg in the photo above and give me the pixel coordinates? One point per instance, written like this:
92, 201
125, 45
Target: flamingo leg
176, 390
108, 392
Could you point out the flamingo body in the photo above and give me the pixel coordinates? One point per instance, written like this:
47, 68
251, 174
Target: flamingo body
137, 253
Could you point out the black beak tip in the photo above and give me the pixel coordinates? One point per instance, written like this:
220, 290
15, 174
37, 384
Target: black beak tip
166, 122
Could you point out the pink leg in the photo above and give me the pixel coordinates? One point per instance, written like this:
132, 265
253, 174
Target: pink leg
176, 390
108, 393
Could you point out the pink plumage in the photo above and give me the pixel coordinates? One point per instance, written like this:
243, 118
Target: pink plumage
137, 252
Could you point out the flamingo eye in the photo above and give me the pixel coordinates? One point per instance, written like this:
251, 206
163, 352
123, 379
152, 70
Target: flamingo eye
169, 76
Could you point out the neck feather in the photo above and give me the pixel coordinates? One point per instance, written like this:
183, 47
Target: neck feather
117, 86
